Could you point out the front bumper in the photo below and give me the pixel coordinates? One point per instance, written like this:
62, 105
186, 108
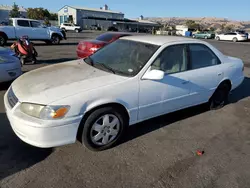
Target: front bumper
41, 133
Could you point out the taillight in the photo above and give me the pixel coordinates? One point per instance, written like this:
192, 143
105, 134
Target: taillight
95, 47
82, 45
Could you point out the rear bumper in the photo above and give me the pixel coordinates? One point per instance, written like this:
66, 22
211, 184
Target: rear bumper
242, 38
82, 54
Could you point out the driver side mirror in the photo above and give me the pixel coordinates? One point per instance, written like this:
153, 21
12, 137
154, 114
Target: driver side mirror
153, 75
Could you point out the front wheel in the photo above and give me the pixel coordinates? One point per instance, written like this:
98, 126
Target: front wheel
206, 37
55, 39
103, 128
2, 40
220, 97
217, 38
77, 30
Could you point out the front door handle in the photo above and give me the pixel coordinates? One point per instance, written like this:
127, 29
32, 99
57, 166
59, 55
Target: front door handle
185, 82
219, 74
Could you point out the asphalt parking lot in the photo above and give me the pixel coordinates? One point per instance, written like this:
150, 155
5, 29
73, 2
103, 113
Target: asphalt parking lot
157, 153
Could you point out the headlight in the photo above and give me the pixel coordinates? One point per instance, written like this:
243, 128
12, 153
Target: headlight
44, 112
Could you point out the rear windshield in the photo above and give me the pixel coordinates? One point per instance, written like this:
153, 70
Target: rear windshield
106, 37
10, 22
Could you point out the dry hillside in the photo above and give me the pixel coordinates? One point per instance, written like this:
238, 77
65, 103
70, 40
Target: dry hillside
208, 21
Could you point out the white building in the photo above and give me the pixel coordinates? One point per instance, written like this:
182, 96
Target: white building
80, 14
5, 11
181, 29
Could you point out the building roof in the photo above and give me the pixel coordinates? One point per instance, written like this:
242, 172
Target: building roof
93, 9
159, 40
7, 7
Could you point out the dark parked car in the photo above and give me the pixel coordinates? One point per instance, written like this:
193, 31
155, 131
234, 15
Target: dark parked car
95, 27
112, 28
88, 47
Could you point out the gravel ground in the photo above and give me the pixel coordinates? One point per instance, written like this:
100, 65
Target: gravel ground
157, 153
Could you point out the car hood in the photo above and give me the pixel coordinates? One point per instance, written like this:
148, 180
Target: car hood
52, 83
6, 51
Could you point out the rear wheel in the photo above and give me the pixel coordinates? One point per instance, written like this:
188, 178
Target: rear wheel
77, 30
220, 97
235, 39
104, 128
206, 37
2, 40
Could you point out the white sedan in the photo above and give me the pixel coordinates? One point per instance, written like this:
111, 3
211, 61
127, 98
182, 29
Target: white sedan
128, 81
232, 36
10, 67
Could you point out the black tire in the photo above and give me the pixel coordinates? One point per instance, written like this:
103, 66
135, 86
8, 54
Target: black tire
55, 39
235, 39
34, 61
22, 61
64, 29
93, 117
217, 38
220, 97
3, 40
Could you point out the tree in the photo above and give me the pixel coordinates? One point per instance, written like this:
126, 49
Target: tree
222, 27
41, 14
229, 28
191, 24
53, 16
14, 13
212, 29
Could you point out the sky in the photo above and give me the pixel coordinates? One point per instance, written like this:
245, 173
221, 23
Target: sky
153, 8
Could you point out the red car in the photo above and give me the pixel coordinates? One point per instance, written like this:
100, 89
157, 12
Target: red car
88, 47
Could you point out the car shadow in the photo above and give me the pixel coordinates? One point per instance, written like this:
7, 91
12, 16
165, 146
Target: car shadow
5, 85
16, 155
151, 125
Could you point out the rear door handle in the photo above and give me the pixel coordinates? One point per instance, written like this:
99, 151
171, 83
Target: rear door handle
185, 82
219, 74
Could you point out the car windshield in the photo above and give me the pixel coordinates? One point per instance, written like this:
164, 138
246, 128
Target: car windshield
123, 57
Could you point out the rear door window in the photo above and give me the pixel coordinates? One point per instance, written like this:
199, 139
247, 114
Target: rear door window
201, 56
35, 24
23, 23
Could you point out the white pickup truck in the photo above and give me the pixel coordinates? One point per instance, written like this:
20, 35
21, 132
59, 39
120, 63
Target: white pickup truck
19, 27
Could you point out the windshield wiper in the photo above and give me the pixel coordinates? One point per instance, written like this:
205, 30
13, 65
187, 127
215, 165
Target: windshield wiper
89, 61
106, 67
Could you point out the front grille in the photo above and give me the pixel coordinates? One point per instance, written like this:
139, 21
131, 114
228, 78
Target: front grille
12, 99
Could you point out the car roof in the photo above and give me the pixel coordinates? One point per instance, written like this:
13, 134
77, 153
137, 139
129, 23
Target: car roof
159, 40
